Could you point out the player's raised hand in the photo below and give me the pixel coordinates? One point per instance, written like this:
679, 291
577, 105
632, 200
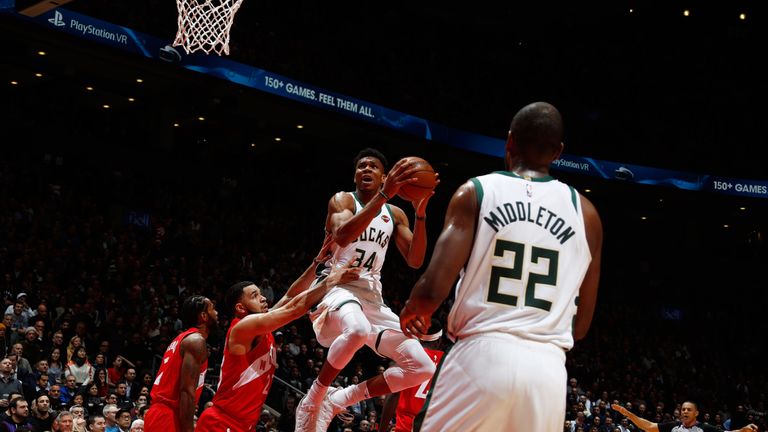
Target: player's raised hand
400, 174
421, 205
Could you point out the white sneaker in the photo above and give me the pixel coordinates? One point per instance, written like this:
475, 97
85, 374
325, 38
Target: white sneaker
328, 410
306, 416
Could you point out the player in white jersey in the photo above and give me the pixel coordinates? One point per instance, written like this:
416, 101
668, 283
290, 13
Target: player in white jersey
530, 250
350, 316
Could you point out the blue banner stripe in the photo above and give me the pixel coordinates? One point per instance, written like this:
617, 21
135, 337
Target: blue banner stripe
148, 46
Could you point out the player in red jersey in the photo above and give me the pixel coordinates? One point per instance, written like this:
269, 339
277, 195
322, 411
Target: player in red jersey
405, 404
180, 378
249, 350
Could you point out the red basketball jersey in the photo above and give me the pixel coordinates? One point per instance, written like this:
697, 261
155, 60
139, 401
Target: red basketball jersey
245, 379
413, 398
166, 388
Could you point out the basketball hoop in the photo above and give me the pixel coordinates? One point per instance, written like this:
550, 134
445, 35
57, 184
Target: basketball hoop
205, 24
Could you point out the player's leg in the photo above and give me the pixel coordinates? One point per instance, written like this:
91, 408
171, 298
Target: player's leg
544, 383
352, 330
413, 365
495, 383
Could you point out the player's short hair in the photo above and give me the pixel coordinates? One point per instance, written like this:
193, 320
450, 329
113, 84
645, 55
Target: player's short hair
191, 309
235, 294
372, 152
537, 128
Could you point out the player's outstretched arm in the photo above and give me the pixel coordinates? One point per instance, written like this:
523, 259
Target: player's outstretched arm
642, 423
588, 289
242, 334
451, 253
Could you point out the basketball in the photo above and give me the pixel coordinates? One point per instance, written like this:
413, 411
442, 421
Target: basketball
425, 183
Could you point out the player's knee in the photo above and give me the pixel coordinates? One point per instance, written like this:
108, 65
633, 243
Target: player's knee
356, 336
421, 370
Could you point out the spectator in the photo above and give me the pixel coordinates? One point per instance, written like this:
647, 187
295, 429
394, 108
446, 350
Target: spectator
42, 386
111, 399
18, 418
55, 396
75, 342
93, 403
97, 423
79, 398
55, 366
104, 350
8, 383
265, 421
68, 391
41, 313
99, 362
123, 419
141, 411
63, 422
137, 426
123, 402
116, 372
21, 362
132, 386
80, 367
20, 315
42, 415
32, 349
287, 420
78, 418
147, 380
109, 416
102, 383
41, 327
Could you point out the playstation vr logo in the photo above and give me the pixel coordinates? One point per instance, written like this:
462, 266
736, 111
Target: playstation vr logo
57, 20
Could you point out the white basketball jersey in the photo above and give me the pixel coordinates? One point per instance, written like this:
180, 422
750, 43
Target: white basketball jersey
527, 263
368, 250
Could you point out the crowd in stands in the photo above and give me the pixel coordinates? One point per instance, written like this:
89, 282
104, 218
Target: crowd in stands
92, 299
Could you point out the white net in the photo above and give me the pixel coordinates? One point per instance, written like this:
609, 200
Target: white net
204, 25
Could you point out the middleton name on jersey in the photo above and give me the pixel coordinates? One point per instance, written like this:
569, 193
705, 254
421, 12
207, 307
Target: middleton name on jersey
522, 212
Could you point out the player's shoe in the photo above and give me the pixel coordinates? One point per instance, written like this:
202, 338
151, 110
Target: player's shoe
328, 410
306, 416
